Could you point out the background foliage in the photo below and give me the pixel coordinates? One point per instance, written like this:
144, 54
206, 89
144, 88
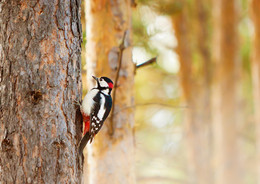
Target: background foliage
160, 103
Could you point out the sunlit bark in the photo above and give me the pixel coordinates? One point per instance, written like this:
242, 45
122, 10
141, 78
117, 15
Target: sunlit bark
256, 77
225, 96
111, 155
191, 31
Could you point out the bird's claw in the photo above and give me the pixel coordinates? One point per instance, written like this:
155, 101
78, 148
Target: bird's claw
77, 102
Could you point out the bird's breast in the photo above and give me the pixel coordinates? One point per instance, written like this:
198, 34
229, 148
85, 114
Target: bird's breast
88, 101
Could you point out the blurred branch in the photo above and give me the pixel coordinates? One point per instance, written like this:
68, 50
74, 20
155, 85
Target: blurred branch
120, 58
133, 4
150, 61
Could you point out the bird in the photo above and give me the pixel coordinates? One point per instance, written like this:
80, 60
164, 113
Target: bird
95, 108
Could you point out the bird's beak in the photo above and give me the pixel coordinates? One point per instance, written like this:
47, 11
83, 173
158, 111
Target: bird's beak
95, 78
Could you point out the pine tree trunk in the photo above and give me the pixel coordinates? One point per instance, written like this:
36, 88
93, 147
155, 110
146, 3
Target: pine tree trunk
256, 78
225, 96
190, 26
111, 156
39, 80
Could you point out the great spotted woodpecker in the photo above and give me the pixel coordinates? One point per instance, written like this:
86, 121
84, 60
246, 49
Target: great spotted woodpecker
95, 108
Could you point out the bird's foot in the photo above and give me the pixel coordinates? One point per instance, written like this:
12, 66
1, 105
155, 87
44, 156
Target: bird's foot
77, 102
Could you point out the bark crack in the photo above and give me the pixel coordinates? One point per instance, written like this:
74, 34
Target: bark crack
57, 168
23, 154
63, 98
55, 15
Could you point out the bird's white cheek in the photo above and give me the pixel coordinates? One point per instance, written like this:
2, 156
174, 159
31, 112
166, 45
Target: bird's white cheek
103, 83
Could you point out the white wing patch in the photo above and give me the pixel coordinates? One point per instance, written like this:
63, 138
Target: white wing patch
102, 109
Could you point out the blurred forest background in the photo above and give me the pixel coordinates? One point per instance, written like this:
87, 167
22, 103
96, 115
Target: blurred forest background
196, 108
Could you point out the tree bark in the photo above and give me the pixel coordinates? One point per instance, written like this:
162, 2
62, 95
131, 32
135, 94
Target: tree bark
255, 7
39, 80
225, 96
190, 25
111, 155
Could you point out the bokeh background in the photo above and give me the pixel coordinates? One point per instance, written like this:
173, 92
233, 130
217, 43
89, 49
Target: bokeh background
197, 107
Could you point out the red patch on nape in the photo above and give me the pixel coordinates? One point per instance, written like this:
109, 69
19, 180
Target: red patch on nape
110, 85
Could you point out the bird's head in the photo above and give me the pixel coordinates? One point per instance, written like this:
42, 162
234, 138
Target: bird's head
104, 84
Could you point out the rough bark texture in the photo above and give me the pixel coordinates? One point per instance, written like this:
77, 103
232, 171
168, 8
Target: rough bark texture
111, 157
193, 38
256, 77
39, 80
225, 97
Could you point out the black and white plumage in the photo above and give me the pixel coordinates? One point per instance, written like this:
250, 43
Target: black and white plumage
95, 108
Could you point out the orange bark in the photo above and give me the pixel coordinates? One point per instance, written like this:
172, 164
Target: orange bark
196, 87
225, 97
255, 6
111, 157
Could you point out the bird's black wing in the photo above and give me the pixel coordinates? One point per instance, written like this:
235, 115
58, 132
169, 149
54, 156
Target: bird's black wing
108, 104
93, 113
99, 113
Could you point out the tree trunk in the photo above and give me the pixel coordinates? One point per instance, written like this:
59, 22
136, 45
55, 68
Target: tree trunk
193, 20
256, 78
225, 97
39, 80
111, 155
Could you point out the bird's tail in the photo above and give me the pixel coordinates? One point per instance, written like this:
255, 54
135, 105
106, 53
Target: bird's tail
83, 142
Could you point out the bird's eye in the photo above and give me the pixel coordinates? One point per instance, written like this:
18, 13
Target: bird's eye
101, 79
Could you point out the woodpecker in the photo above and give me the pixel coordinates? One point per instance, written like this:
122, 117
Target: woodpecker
95, 108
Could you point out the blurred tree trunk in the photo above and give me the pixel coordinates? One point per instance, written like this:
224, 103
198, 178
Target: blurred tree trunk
191, 27
256, 77
39, 80
111, 155
225, 96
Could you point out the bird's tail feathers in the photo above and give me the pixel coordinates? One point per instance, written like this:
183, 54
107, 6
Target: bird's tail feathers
83, 142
